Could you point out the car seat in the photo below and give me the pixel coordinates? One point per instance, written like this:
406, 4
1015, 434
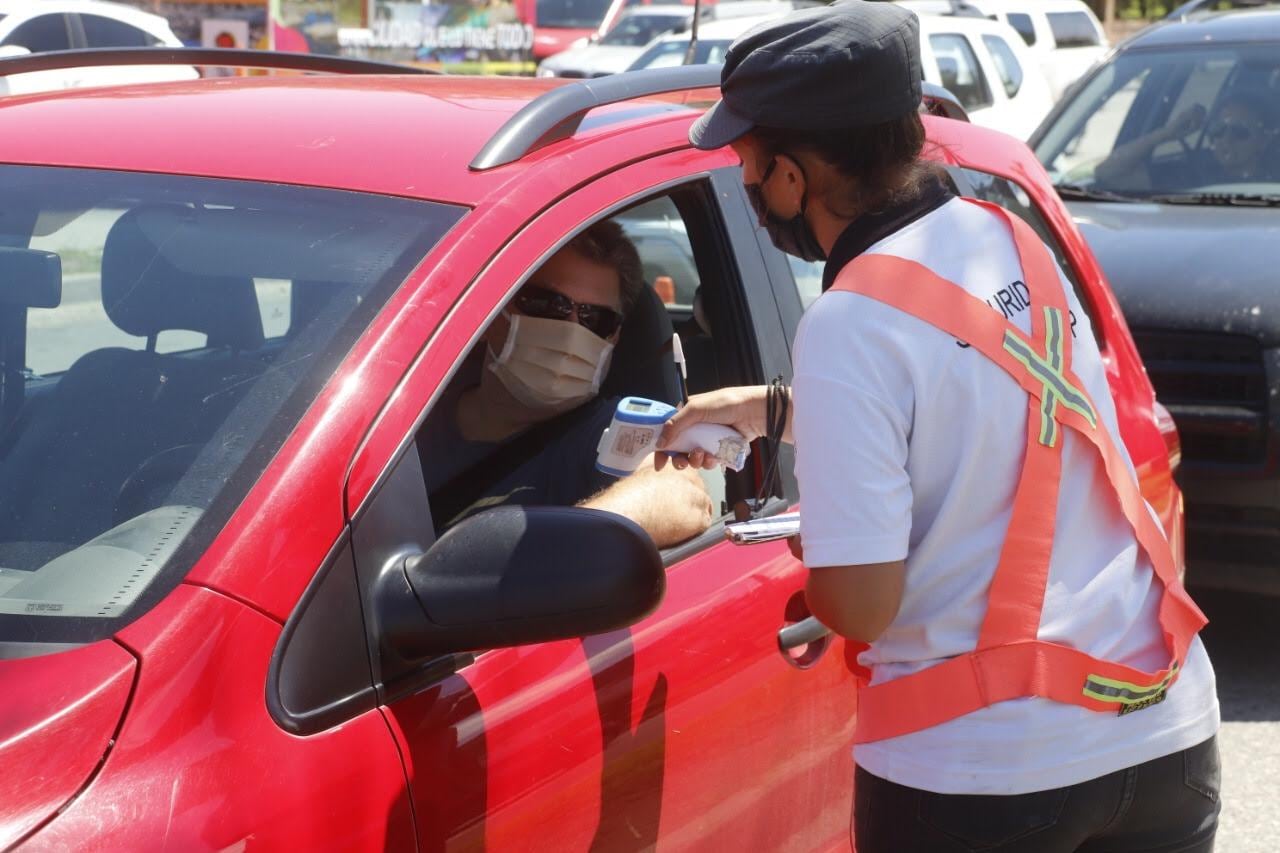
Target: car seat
643, 364
116, 410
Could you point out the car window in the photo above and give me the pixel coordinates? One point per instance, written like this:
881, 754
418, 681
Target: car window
194, 322
1013, 198
100, 31
468, 469
1175, 120
1022, 24
1007, 65
1073, 29
47, 32
671, 52
571, 14
959, 70
639, 30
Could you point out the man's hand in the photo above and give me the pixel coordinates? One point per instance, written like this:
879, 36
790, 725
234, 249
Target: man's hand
671, 505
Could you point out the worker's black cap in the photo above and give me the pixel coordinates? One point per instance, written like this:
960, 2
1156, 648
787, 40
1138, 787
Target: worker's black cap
852, 64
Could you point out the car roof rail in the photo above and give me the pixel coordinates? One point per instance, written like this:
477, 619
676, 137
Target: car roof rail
938, 101
219, 56
556, 114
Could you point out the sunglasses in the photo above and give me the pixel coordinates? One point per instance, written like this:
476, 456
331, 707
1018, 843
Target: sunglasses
549, 305
1237, 132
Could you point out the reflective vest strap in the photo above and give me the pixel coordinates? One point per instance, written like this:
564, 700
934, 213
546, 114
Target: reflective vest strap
970, 682
1015, 598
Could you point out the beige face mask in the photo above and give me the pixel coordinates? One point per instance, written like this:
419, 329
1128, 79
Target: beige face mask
550, 365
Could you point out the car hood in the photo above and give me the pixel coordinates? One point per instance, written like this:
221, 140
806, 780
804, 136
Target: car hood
594, 59
57, 720
1210, 269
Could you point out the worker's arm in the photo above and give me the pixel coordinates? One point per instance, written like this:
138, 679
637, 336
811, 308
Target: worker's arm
857, 602
670, 505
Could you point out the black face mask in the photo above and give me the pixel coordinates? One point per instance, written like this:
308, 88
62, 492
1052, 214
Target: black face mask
793, 236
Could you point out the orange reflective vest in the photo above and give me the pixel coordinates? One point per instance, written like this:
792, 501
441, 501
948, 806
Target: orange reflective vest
1010, 661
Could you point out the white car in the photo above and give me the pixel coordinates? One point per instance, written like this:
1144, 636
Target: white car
990, 71
983, 63
618, 48
1065, 36
49, 25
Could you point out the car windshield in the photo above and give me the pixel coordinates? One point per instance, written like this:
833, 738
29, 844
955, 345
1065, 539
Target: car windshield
670, 52
571, 14
639, 30
1197, 122
161, 336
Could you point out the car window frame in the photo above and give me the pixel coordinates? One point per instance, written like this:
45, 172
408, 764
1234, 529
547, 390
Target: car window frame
393, 517
987, 93
66, 26
996, 45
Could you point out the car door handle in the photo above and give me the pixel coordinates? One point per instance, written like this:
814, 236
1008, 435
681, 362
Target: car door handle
802, 633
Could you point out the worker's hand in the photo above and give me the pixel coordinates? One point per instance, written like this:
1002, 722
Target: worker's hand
796, 548
742, 408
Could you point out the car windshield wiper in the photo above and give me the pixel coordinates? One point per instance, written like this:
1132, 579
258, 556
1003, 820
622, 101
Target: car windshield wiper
1076, 192
1216, 199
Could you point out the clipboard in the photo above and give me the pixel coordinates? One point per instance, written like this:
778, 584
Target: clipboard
782, 526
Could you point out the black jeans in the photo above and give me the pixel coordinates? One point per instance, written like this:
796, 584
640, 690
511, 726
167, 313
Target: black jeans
1169, 805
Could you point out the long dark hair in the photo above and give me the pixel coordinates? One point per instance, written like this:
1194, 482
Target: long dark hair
881, 161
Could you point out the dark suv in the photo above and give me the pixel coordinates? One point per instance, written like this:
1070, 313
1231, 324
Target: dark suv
1168, 155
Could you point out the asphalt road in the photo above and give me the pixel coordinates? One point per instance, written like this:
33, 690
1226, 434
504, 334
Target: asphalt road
1243, 639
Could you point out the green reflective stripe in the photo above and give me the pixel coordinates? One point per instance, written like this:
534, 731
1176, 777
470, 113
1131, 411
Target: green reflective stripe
1049, 377
1048, 372
1124, 692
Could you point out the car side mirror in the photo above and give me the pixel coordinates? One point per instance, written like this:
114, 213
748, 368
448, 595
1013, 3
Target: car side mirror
513, 576
13, 50
30, 278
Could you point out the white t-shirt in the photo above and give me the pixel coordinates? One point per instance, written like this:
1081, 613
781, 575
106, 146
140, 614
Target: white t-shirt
910, 446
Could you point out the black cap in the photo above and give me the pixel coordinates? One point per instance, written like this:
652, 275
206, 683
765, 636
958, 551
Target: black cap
851, 64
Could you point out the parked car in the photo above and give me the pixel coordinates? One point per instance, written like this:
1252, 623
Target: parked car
1169, 157
27, 27
983, 63
618, 48
1064, 35
226, 617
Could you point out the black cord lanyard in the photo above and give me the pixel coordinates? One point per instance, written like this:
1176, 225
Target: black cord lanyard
777, 405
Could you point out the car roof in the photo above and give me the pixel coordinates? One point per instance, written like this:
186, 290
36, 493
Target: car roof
993, 6
729, 28
665, 9
406, 135
960, 24
1259, 25
100, 7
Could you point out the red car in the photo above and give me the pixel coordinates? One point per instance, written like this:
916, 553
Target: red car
226, 622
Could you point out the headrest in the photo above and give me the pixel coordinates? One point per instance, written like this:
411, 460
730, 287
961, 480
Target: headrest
643, 365
144, 294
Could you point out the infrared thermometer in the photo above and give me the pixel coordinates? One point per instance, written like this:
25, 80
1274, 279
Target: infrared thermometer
633, 434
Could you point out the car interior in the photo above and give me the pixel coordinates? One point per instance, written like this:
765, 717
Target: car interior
675, 239
157, 348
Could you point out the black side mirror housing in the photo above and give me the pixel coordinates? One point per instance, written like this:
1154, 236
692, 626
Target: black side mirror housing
519, 575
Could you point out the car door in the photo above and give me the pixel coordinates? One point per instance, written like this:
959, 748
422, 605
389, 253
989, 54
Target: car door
690, 729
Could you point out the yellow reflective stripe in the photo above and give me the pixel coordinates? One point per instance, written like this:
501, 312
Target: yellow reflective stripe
1125, 692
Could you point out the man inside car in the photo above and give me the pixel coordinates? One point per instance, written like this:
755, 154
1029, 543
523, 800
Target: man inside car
520, 423
1241, 143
